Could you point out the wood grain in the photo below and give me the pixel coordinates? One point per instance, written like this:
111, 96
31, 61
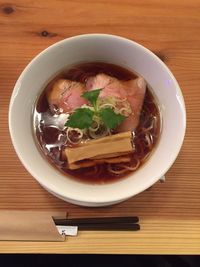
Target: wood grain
169, 212
177, 238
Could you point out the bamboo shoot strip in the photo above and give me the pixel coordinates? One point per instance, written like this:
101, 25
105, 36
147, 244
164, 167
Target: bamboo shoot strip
109, 145
93, 162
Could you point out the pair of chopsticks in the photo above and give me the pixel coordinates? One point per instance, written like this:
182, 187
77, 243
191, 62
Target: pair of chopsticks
103, 223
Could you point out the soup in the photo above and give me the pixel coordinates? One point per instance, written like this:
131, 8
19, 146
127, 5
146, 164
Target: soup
97, 122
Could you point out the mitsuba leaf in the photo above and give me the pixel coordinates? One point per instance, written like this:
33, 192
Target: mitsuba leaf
81, 118
110, 118
92, 96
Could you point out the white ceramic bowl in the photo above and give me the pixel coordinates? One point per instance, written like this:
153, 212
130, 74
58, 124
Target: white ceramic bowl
106, 48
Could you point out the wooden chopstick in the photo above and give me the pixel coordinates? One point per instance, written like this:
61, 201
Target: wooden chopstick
101, 220
110, 227
102, 223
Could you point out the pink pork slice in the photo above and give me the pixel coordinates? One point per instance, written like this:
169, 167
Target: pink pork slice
132, 90
66, 94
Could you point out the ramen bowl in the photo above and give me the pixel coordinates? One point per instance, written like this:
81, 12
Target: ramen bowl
90, 48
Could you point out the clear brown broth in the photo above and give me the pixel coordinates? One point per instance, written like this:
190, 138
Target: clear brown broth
48, 136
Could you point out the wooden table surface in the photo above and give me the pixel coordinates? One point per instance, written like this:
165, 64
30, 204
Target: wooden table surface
169, 212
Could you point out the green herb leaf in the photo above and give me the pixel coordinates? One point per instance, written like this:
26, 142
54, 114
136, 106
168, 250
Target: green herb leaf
81, 118
92, 96
110, 118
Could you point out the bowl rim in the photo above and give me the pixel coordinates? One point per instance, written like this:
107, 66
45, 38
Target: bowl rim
86, 198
